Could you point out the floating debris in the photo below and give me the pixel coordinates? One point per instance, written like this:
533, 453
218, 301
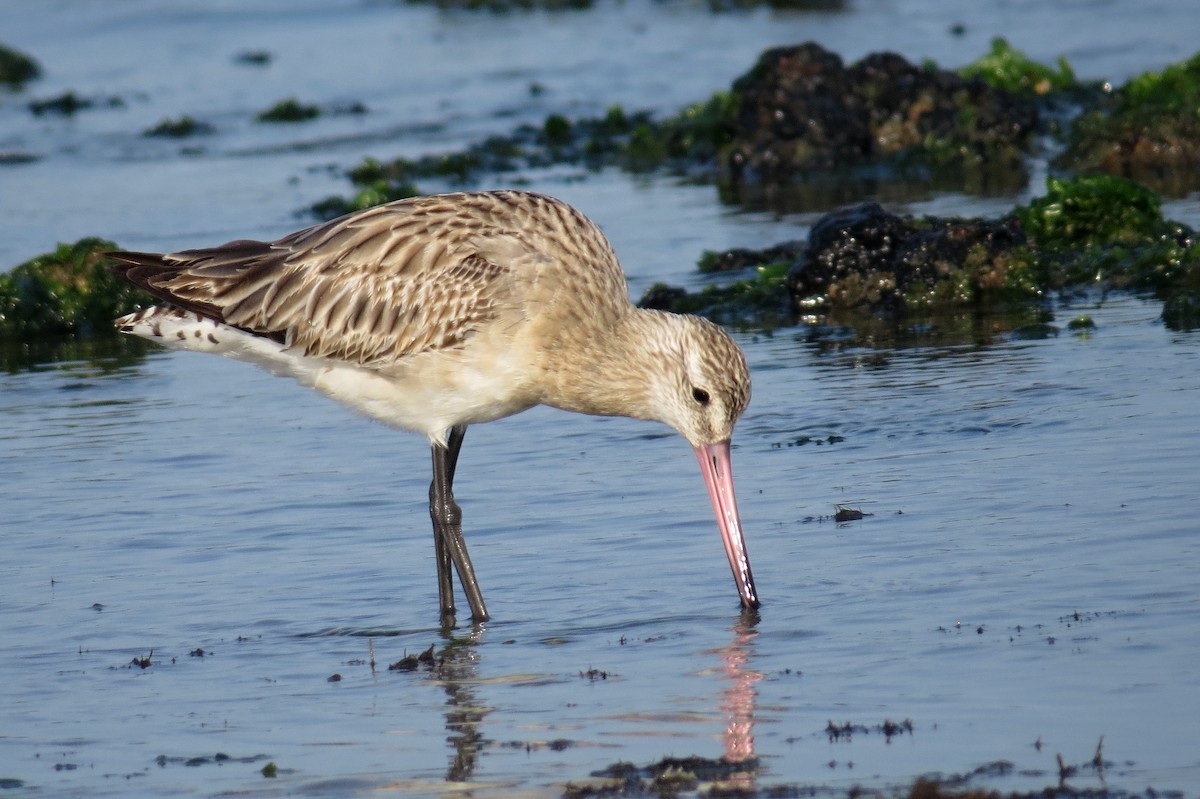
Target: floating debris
413, 662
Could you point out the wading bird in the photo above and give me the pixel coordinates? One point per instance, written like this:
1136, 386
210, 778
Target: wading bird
434, 313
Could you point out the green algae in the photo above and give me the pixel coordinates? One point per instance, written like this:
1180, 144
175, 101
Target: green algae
179, 128
969, 130
65, 292
1083, 212
1108, 229
762, 300
1093, 229
1082, 322
1005, 67
1082, 231
1174, 90
862, 262
634, 141
287, 110
702, 130
17, 68
996, 279
1147, 130
925, 124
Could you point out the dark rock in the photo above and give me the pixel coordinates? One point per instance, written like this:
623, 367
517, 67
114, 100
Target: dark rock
864, 257
1147, 131
802, 110
1181, 310
661, 297
743, 258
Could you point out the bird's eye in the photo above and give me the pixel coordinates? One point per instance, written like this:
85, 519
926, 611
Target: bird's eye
700, 396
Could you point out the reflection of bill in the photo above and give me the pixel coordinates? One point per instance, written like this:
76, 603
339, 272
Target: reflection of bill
738, 698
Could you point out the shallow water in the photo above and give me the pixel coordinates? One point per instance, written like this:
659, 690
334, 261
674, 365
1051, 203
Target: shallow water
1026, 573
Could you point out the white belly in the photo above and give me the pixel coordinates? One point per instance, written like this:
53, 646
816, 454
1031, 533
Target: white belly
426, 393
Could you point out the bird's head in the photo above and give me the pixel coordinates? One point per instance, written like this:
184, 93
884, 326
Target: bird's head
701, 389
703, 384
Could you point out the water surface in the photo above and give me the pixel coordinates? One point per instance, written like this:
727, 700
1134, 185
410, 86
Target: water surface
1026, 573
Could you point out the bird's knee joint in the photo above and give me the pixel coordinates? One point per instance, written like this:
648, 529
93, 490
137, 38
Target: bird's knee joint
445, 514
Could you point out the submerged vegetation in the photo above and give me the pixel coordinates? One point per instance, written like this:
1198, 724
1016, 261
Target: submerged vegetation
674, 777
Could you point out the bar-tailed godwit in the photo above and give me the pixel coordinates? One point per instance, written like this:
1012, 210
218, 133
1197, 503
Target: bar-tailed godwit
434, 313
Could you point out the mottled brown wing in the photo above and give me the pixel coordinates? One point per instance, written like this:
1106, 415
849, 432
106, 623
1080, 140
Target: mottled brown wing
391, 281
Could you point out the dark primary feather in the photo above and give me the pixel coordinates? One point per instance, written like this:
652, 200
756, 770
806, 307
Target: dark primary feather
148, 270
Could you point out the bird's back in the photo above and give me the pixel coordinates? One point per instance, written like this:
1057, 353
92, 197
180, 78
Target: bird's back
399, 279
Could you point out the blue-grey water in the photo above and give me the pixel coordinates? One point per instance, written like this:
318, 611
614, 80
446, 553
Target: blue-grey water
1023, 586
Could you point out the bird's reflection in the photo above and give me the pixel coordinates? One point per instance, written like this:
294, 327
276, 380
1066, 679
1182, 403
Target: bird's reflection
457, 674
738, 698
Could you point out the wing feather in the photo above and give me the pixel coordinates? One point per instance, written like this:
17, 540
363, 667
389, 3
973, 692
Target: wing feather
382, 284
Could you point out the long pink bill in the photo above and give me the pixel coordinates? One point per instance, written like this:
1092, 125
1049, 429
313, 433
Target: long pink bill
718, 478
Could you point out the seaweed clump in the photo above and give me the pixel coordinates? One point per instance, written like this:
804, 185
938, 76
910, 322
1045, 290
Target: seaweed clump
69, 103
669, 777
1007, 68
1100, 228
16, 68
65, 292
289, 109
865, 260
868, 259
1148, 130
635, 141
798, 113
180, 128
802, 110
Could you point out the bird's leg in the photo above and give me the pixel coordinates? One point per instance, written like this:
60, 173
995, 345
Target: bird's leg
449, 544
441, 552
444, 511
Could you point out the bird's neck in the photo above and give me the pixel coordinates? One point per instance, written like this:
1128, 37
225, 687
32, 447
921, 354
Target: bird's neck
611, 373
